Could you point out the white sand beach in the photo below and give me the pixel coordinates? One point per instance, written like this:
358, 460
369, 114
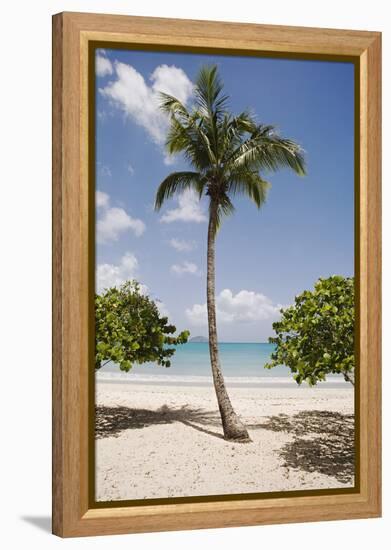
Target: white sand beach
159, 441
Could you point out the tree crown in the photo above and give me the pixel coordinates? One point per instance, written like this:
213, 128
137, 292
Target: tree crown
130, 330
227, 152
315, 336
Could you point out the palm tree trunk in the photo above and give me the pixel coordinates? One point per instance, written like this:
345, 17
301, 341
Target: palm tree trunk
233, 428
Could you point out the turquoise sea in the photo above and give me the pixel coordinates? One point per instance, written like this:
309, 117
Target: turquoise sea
192, 359
242, 364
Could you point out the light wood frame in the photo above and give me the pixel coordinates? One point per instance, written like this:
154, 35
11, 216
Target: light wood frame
72, 32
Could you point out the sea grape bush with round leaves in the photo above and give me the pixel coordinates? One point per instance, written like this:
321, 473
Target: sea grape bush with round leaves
315, 336
130, 330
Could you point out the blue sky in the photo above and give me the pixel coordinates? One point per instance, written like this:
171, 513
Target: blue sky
264, 257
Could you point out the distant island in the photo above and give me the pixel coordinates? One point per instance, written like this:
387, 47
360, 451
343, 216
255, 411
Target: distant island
198, 339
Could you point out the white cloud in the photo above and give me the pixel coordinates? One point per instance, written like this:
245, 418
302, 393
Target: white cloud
102, 199
185, 267
104, 170
113, 221
168, 159
109, 275
162, 308
181, 245
189, 209
173, 81
103, 67
139, 100
130, 169
244, 307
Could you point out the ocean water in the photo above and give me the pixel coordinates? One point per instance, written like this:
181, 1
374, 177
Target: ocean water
192, 359
242, 364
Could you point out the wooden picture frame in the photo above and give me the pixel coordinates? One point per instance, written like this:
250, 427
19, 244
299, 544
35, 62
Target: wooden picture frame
73, 514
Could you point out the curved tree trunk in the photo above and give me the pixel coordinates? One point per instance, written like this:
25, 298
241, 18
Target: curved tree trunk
233, 428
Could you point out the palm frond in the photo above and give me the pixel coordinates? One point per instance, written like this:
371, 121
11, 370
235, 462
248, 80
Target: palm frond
191, 140
211, 104
234, 131
266, 150
224, 208
244, 122
250, 184
177, 182
208, 90
185, 133
172, 106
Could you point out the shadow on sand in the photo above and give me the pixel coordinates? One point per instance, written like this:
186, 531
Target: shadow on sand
111, 421
323, 440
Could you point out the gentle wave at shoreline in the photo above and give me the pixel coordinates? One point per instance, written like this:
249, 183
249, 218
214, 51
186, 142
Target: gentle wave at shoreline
202, 380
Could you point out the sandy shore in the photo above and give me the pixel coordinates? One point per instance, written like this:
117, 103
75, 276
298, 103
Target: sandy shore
166, 441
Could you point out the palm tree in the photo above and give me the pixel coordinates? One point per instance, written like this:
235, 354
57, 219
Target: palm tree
226, 153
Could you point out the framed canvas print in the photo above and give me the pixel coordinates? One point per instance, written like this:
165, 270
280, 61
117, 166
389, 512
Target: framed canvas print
216, 274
